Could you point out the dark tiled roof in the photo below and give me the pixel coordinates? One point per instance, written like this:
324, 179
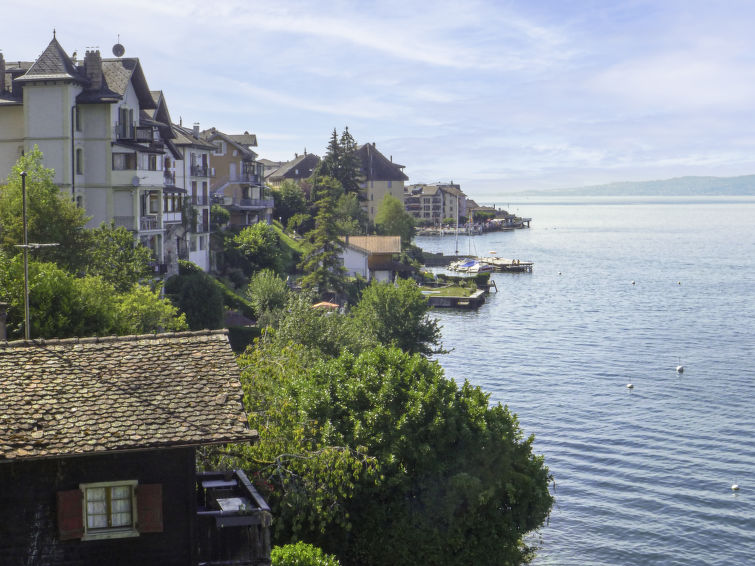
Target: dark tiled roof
300, 167
185, 136
62, 398
244, 139
55, 64
377, 167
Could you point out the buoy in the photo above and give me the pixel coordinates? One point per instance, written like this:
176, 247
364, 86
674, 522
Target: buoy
559, 273
735, 487
630, 386
678, 282
680, 367
632, 282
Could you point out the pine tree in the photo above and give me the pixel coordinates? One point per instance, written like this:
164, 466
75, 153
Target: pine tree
350, 164
323, 267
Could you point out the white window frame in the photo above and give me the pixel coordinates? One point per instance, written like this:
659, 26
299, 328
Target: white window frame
109, 532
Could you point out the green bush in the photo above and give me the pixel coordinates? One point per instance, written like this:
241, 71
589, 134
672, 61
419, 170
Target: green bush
301, 554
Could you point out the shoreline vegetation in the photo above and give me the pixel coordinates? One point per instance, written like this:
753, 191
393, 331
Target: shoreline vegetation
363, 438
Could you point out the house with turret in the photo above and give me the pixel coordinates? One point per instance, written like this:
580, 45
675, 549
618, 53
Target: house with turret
107, 136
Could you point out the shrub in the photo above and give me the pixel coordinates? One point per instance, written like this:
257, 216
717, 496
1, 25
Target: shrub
301, 554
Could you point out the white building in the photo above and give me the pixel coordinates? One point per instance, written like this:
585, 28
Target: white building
105, 134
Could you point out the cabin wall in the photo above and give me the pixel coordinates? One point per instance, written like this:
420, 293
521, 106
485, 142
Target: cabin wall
28, 514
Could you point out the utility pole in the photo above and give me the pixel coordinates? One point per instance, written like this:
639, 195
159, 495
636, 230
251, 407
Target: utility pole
26, 245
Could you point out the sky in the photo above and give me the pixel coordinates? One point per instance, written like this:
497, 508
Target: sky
499, 96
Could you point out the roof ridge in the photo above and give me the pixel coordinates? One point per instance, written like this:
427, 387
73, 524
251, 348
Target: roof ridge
113, 338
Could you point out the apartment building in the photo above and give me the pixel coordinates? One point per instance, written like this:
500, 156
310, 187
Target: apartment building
380, 176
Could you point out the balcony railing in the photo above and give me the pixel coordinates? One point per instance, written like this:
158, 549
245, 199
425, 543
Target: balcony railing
172, 217
202, 171
254, 202
125, 221
127, 131
149, 223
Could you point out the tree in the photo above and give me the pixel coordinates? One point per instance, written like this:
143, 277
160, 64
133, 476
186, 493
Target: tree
51, 216
195, 293
322, 266
261, 245
115, 256
349, 170
393, 220
142, 310
219, 217
267, 292
382, 460
350, 216
397, 315
62, 305
290, 200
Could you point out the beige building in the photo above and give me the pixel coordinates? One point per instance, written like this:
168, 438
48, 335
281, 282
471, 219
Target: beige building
239, 181
380, 177
435, 202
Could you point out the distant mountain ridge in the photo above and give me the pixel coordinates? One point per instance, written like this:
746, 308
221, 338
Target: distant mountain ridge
678, 186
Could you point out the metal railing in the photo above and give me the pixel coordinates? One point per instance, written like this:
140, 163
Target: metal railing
149, 223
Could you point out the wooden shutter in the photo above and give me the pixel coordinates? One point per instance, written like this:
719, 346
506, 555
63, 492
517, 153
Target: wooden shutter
70, 514
149, 508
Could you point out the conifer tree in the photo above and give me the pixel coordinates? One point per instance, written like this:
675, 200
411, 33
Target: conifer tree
350, 167
323, 267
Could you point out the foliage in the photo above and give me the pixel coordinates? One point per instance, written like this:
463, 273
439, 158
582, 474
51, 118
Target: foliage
261, 246
322, 266
289, 201
324, 332
115, 256
397, 315
62, 305
142, 310
341, 162
301, 554
382, 460
51, 216
198, 296
267, 293
393, 220
351, 218
300, 223
219, 217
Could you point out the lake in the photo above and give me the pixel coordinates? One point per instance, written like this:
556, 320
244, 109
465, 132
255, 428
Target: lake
621, 292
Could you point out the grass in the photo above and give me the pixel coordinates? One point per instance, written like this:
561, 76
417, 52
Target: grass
449, 291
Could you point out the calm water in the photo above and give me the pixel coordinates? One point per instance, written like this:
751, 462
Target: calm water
642, 476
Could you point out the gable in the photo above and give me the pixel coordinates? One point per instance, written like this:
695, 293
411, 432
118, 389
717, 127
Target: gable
82, 396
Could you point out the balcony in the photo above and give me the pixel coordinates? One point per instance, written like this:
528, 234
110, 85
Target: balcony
202, 171
200, 200
233, 520
131, 132
254, 203
128, 222
149, 222
172, 217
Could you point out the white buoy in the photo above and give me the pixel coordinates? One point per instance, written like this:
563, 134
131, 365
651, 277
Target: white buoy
630, 386
633, 282
680, 367
735, 487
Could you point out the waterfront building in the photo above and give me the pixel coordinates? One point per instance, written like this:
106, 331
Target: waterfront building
380, 177
432, 203
106, 135
239, 183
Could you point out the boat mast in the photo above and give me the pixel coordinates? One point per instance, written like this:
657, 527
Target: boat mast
457, 225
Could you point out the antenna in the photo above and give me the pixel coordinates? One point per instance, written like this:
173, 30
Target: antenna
118, 49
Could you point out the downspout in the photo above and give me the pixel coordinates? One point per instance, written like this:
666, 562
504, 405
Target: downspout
73, 155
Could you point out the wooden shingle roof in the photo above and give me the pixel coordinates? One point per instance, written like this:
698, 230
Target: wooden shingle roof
375, 244
61, 398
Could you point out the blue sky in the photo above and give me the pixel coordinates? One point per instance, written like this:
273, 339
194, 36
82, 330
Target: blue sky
500, 96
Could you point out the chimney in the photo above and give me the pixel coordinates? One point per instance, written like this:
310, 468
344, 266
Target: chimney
2, 73
196, 130
93, 69
3, 314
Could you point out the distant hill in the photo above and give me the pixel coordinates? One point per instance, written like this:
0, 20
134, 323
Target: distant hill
679, 186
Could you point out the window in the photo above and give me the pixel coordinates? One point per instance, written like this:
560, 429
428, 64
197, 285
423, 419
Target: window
109, 508
124, 161
152, 162
79, 161
77, 118
219, 147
